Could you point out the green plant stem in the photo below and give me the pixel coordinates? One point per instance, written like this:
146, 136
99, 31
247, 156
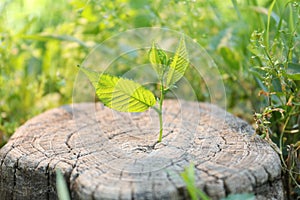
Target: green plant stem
290, 172
160, 113
281, 141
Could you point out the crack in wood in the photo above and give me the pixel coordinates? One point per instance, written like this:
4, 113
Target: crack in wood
14, 180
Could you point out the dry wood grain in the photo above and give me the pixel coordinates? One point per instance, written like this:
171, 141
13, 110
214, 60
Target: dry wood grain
104, 154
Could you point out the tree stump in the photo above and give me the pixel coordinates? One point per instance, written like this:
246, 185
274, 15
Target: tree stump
105, 154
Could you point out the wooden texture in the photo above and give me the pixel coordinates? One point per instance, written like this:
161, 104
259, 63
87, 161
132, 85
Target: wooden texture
104, 154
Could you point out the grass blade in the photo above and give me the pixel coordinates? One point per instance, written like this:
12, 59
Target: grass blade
61, 186
268, 24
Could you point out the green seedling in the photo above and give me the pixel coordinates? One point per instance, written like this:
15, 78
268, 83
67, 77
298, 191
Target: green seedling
126, 95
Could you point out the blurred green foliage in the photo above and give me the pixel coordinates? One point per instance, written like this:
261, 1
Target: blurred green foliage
255, 44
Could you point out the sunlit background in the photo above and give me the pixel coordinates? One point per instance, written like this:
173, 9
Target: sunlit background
254, 43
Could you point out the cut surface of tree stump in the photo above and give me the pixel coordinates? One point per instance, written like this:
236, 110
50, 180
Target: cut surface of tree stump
105, 154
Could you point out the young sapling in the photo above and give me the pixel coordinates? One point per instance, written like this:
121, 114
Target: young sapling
126, 95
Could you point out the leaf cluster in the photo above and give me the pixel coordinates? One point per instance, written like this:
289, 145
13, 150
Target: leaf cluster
126, 95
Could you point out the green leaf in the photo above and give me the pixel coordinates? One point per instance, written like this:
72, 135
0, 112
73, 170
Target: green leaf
158, 59
120, 94
178, 65
61, 187
293, 71
124, 95
92, 75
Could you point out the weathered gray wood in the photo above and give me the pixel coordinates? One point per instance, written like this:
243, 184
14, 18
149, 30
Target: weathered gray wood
109, 155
